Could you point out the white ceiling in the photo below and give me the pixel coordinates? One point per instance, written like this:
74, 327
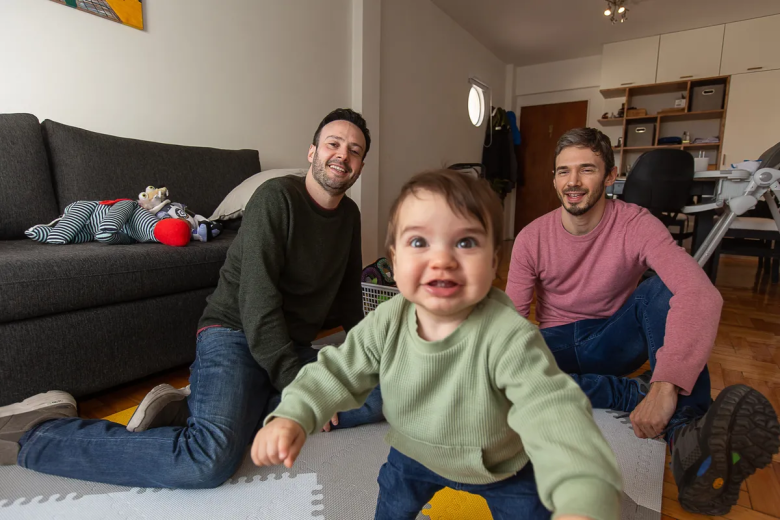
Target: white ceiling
527, 32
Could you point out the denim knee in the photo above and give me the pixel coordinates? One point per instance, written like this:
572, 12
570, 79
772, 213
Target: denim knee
653, 289
210, 472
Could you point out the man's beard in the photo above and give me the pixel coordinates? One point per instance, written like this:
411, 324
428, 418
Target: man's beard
332, 186
589, 200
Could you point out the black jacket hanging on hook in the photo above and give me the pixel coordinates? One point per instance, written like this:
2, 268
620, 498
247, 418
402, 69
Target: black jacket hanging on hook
498, 154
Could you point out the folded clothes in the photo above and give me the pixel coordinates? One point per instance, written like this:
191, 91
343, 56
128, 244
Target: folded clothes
669, 140
706, 140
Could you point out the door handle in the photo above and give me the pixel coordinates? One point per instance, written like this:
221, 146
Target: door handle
755, 68
629, 83
685, 77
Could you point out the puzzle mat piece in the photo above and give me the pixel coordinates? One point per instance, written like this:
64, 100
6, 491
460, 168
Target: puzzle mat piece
270, 499
347, 461
449, 504
641, 461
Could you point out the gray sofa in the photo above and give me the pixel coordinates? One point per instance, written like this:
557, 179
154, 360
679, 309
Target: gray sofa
86, 317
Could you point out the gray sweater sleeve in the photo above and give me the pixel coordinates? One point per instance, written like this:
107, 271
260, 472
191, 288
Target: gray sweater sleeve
264, 232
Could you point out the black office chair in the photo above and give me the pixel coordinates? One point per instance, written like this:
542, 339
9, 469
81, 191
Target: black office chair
661, 181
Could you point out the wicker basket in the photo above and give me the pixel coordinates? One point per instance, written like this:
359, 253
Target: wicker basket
374, 294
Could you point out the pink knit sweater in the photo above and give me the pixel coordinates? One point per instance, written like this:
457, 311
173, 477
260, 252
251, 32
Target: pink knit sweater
591, 276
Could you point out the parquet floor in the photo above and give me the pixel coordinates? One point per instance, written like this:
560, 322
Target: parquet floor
747, 350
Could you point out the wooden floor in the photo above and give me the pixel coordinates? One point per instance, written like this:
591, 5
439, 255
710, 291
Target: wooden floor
747, 350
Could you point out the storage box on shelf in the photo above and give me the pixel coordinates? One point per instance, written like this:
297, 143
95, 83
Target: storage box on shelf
703, 116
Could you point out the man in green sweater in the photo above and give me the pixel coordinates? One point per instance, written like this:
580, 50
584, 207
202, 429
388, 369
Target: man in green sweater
451, 350
294, 267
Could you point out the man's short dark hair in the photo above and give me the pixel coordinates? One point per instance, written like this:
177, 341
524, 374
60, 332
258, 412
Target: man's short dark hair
588, 138
345, 114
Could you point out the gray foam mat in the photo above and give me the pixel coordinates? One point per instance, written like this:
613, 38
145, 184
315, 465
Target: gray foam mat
334, 478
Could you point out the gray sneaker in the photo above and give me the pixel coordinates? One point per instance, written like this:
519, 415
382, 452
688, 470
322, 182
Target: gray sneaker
17, 419
164, 405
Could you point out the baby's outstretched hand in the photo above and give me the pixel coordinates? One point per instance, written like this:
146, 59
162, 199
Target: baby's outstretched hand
279, 442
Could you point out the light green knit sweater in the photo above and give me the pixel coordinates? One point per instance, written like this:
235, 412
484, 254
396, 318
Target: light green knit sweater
473, 407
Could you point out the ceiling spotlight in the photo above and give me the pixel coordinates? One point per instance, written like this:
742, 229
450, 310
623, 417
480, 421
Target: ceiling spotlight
616, 11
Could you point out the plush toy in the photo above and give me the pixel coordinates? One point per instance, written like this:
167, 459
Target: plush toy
156, 201
120, 221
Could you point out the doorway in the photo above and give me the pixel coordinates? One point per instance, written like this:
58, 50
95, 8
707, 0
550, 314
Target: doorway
540, 127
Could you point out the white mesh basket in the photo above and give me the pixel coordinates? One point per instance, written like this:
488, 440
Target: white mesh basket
374, 294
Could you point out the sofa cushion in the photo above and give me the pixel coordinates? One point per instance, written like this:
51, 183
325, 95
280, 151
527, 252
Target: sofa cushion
26, 192
41, 279
90, 166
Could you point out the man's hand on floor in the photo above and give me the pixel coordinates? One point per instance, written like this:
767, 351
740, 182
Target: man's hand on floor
652, 415
334, 421
280, 441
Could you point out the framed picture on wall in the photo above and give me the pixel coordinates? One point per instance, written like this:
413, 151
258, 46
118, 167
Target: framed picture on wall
127, 12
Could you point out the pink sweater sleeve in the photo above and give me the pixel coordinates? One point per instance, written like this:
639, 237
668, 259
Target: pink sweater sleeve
694, 313
521, 279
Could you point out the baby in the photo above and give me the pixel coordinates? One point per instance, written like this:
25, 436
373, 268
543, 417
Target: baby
472, 394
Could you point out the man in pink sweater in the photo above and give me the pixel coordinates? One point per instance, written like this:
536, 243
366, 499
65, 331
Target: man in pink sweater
585, 261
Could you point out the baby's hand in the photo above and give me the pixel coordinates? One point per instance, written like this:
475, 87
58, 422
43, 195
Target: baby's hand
278, 442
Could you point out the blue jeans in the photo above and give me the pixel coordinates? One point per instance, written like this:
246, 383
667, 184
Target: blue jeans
229, 393
596, 352
405, 486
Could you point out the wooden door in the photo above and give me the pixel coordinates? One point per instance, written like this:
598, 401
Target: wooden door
540, 127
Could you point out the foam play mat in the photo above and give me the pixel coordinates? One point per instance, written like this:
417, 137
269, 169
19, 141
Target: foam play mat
334, 478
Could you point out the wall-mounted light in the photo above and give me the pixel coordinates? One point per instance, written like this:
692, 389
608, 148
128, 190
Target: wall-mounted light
476, 101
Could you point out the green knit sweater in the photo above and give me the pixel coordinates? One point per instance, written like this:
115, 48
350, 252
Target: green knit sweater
473, 407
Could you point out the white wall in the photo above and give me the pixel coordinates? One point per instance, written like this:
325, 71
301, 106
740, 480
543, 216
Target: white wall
558, 75
255, 74
425, 65
366, 69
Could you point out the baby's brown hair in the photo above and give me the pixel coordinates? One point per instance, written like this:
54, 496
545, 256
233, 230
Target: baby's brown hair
467, 196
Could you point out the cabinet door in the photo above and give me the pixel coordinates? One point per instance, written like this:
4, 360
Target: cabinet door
753, 113
690, 54
751, 46
629, 63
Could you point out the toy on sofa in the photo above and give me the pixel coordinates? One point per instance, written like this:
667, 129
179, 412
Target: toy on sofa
120, 221
157, 202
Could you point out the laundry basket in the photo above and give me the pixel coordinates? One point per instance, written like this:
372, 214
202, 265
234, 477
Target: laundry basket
374, 294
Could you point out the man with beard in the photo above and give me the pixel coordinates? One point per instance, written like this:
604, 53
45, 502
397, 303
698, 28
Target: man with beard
293, 269
585, 260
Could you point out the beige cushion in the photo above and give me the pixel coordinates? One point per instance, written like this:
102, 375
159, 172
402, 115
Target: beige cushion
233, 205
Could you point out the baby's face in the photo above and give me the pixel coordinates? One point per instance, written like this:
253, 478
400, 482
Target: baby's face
443, 262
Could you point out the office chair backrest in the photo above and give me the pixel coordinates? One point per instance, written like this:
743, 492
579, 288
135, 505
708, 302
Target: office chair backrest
660, 181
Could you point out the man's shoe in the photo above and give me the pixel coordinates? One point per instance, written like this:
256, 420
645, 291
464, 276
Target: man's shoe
163, 406
17, 419
713, 455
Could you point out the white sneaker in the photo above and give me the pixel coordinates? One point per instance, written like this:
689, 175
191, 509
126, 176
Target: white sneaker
164, 405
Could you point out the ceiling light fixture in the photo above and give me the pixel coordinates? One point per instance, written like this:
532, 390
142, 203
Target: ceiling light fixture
615, 8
